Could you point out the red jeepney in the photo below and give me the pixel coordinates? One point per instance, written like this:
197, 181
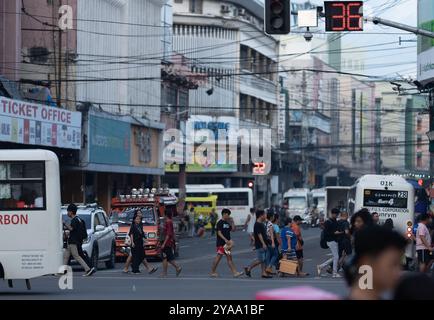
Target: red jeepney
152, 204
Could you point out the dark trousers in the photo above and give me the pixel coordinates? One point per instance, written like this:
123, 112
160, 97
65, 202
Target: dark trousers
213, 229
138, 254
84, 256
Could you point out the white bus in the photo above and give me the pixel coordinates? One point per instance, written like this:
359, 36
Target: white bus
30, 225
297, 201
238, 200
391, 196
318, 199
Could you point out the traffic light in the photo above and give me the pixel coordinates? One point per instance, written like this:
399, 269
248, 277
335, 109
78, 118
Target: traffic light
250, 184
277, 16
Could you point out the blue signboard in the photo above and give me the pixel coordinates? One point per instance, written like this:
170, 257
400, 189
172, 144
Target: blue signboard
109, 141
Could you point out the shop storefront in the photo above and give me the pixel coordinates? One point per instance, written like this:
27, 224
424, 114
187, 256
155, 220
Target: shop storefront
119, 153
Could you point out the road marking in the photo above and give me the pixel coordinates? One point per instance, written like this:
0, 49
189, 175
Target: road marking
210, 256
282, 280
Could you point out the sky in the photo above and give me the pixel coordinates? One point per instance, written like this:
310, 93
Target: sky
385, 57
396, 60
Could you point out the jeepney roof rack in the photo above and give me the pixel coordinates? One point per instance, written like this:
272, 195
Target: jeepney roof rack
84, 205
144, 194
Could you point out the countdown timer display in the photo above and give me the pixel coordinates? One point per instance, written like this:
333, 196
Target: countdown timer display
344, 15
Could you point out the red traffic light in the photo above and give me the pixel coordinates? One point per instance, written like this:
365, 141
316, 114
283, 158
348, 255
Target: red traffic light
420, 182
250, 184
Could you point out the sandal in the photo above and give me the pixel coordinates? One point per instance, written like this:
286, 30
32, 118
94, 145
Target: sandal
178, 271
154, 269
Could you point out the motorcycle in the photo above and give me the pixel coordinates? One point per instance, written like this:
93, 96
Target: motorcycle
312, 219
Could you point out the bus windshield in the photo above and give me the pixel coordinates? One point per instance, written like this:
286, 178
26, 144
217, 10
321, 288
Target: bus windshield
385, 198
126, 216
22, 185
202, 204
297, 202
320, 202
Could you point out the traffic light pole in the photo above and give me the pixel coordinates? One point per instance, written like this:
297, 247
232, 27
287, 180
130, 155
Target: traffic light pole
431, 143
393, 24
424, 33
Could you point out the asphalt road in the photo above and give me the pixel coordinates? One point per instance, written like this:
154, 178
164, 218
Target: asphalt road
196, 257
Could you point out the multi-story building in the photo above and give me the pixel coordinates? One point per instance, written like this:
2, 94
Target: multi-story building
402, 144
331, 118
225, 41
108, 67
417, 155
120, 47
331, 134
36, 52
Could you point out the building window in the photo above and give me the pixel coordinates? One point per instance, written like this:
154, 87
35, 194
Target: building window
243, 106
419, 159
419, 141
419, 123
38, 55
169, 96
196, 6
268, 113
253, 105
244, 57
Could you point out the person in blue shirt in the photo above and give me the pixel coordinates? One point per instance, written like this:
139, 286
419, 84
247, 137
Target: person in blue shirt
289, 240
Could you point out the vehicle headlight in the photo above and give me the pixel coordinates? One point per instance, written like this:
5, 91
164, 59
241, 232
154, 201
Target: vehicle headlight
152, 235
87, 240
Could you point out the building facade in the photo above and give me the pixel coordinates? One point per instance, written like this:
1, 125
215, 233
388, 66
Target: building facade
105, 73
224, 40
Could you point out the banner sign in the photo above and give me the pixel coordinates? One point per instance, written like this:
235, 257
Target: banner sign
35, 124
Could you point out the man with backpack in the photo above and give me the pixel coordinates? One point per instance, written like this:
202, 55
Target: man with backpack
329, 239
77, 234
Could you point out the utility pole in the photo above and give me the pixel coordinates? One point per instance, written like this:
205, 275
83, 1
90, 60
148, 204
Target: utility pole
424, 33
361, 128
59, 70
304, 134
182, 177
353, 124
378, 136
431, 143
338, 152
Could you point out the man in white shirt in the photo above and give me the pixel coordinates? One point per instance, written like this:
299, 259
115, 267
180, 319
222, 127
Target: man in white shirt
424, 248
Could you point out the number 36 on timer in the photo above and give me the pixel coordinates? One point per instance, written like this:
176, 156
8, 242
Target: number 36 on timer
344, 15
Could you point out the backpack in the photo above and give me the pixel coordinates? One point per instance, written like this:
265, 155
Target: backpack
322, 242
82, 231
